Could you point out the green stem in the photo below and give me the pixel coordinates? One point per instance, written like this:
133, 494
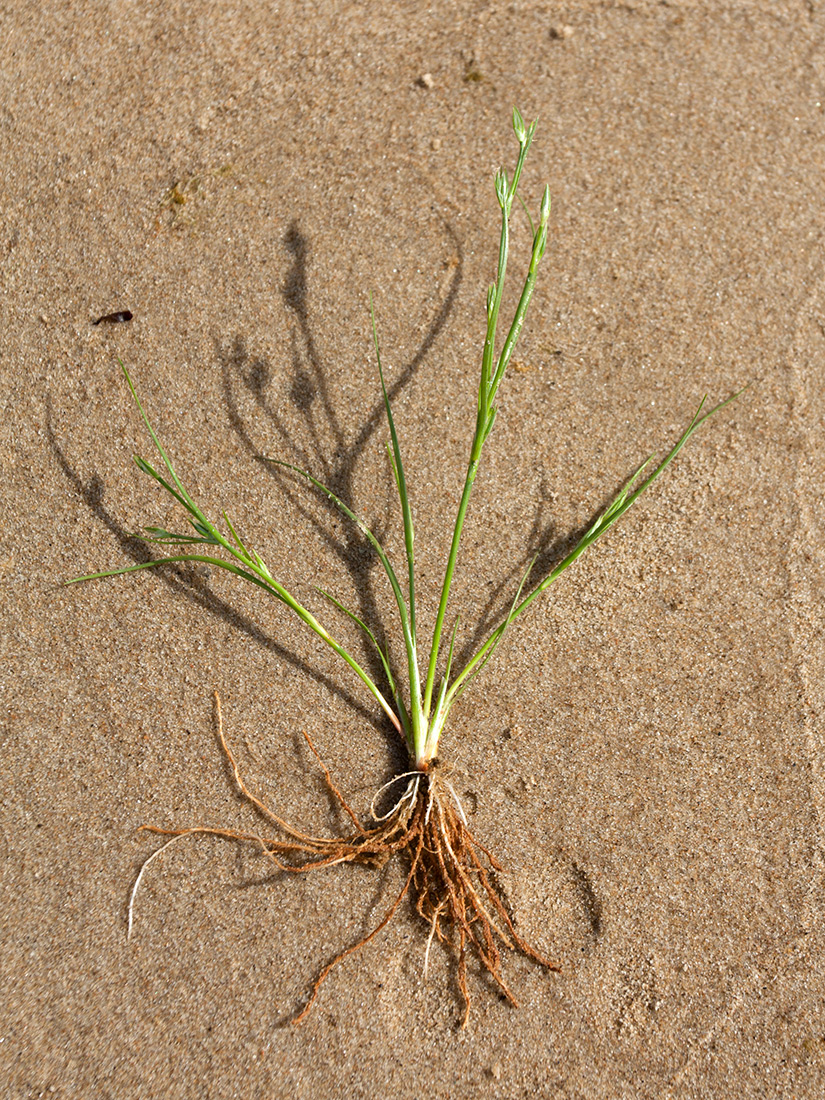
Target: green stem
418, 722
475, 454
488, 386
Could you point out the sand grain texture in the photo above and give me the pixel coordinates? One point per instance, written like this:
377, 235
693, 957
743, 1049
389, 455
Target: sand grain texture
646, 753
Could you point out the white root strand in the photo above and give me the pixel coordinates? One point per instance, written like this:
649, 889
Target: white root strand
145, 864
457, 801
411, 786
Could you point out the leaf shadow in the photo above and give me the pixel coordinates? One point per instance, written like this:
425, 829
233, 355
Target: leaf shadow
545, 548
319, 438
185, 582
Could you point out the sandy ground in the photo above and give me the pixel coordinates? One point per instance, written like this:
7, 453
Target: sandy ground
646, 755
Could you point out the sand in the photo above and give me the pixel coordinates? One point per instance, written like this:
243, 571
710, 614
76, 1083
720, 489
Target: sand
646, 753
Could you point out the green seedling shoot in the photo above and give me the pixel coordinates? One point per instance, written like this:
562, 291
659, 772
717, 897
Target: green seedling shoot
450, 875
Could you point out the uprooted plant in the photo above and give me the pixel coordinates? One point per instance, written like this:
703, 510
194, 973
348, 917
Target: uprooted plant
451, 876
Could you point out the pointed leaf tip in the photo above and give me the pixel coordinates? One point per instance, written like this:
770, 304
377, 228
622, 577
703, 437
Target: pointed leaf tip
502, 187
545, 205
491, 297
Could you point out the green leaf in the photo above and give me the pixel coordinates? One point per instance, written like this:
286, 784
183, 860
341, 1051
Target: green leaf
625, 499
400, 480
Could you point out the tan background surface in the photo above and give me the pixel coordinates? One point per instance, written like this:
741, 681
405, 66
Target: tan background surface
646, 753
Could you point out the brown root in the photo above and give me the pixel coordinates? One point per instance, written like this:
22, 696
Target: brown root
451, 876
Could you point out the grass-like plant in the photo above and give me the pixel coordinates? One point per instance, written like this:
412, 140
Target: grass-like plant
451, 875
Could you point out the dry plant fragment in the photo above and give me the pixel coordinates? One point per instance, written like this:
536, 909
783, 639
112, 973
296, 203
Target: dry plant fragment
451, 876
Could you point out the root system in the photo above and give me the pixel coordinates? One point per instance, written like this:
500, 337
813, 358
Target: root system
451, 877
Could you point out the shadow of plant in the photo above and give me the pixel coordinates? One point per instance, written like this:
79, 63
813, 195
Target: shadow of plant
187, 582
320, 443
